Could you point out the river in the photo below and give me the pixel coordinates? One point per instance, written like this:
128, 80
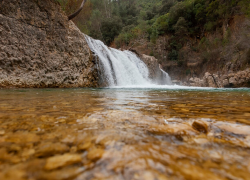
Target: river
169, 132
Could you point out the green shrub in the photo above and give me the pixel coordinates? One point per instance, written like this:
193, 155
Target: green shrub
195, 49
110, 29
203, 40
173, 55
210, 26
188, 71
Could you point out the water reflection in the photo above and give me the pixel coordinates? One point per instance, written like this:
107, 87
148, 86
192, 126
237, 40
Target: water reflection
124, 134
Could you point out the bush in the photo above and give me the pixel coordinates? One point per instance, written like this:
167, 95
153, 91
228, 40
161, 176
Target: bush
110, 29
188, 71
181, 27
210, 26
173, 55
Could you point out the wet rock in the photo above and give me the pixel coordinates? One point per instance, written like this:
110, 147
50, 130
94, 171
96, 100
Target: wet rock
73, 149
13, 174
69, 139
62, 160
26, 153
200, 126
155, 72
47, 149
84, 146
2, 132
62, 174
200, 140
176, 129
233, 128
5, 156
22, 137
14, 148
95, 154
152, 64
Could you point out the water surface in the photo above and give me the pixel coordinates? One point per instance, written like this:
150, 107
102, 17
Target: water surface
123, 133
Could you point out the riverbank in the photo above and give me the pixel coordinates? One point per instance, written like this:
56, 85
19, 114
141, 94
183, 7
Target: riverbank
232, 80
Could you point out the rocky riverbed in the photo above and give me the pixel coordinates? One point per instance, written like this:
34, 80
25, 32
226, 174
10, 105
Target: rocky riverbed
75, 134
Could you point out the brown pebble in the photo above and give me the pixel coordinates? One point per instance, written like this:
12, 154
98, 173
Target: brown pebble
2, 132
73, 149
61, 161
22, 137
200, 126
49, 148
84, 146
95, 154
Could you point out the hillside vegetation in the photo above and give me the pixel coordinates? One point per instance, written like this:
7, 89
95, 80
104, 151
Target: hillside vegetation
170, 30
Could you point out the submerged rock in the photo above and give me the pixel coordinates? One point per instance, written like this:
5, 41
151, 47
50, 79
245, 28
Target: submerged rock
22, 137
200, 126
62, 160
62, 174
95, 154
48, 149
2, 132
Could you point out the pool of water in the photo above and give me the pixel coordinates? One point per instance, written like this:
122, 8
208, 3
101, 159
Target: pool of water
124, 133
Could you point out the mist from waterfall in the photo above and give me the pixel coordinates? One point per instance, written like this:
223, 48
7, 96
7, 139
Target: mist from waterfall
122, 68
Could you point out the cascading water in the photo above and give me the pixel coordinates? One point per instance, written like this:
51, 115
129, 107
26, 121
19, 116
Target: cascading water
122, 68
166, 79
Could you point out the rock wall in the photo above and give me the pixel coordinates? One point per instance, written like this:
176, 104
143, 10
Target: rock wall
155, 74
152, 64
39, 47
238, 79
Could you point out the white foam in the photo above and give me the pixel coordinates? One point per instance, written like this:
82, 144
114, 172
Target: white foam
122, 68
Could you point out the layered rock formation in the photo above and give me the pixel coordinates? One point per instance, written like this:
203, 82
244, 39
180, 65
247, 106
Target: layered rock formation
155, 73
152, 64
238, 79
39, 47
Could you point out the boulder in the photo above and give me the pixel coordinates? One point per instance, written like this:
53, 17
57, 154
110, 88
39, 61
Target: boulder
156, 74
238, 79
39, 47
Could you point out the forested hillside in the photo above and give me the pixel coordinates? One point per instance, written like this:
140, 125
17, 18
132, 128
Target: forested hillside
166, 28
125, 20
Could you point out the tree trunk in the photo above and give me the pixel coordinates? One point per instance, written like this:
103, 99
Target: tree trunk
77, 12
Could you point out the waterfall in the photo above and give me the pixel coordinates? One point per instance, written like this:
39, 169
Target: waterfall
121, 68
165, 78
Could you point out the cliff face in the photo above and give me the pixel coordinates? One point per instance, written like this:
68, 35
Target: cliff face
39, 47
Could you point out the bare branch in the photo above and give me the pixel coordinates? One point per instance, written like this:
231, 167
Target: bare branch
77, 12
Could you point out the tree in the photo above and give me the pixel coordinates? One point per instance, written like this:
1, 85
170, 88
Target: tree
77, 12
181, 27
110, 29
